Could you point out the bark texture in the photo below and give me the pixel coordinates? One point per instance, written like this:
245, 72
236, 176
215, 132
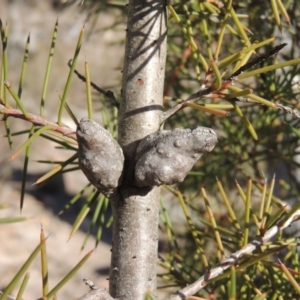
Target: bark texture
135, 210
166, 156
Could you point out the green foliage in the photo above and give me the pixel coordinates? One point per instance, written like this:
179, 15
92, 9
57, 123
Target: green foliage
220, 234
7, 220
203, 44
254, 111
40, 249
203, 35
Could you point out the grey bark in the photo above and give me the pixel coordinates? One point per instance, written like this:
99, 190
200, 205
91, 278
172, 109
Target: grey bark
135, 210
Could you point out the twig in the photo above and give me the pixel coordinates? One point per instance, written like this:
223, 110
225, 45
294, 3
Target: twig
207, 91
37, 120
95, 293
255, 61
109, 94
90, 283
279, 106
289, 110
199, 284
204, 92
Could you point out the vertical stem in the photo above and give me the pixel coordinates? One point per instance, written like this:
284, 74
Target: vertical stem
135, 210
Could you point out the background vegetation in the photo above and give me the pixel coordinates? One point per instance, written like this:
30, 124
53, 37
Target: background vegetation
256, 139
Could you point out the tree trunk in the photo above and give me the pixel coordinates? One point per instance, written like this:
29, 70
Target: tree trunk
136, 210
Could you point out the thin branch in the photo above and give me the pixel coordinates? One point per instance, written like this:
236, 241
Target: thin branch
109, 94
90, 283
289, 110
207, 91
279, 106
95, 293
204, 92
199, 284
37, 121
255, 61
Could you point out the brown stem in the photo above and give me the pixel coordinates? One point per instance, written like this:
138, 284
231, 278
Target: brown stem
37, 120
204, 92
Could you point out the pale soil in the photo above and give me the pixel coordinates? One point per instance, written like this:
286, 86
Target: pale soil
18, 240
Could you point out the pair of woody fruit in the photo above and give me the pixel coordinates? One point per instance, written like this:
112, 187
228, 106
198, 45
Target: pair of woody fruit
163, 157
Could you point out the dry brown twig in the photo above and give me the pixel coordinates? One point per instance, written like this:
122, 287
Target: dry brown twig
38, 121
